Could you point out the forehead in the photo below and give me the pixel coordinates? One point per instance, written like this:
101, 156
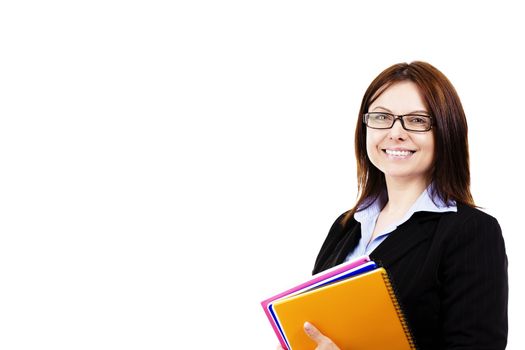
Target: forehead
400, 98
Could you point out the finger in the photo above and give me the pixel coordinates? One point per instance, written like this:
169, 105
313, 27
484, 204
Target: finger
315, 334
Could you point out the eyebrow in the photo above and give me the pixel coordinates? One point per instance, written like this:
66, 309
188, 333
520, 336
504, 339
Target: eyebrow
413, 112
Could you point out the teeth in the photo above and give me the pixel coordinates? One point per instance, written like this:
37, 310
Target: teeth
398, 153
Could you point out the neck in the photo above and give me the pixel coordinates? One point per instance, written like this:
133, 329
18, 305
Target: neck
402, 194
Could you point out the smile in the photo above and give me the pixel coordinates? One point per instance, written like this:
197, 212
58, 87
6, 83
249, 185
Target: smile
399, 153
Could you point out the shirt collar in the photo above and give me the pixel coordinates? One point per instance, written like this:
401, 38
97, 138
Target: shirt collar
425, 202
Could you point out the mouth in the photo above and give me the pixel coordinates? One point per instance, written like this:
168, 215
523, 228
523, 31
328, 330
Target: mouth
398, 153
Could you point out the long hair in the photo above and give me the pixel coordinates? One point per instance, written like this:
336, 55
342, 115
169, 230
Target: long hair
450, 172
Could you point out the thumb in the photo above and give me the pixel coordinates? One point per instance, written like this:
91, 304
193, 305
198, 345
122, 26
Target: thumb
314, 334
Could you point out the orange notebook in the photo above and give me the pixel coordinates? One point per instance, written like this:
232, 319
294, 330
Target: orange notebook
359, 313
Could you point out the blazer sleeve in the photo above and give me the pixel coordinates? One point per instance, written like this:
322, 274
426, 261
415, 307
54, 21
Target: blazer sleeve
475, 286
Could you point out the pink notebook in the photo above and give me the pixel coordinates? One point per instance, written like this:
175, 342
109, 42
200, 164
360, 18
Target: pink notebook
316, 279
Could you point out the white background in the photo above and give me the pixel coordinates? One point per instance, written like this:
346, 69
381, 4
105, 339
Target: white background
165, 166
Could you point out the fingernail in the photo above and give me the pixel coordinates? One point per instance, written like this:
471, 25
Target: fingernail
307, 327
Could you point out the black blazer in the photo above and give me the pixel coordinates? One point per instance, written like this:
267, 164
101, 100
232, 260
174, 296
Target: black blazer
449, 271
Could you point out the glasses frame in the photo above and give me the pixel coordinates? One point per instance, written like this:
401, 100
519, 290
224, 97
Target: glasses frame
400, 117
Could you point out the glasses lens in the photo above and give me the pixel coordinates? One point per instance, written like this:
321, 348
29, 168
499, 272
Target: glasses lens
417, 122
379, 120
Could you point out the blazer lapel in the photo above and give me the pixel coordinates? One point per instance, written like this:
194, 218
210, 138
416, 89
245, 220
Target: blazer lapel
408, 235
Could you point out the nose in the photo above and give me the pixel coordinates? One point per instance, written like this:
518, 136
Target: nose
397, 131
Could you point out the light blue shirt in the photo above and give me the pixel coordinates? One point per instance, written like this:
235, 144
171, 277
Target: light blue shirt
368, 217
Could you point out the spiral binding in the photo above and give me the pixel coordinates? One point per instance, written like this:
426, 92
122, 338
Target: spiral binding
399, 311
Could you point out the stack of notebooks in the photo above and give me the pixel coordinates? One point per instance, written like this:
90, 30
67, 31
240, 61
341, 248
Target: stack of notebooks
353, 304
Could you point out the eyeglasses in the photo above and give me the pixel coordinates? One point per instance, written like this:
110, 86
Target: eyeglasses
409, 122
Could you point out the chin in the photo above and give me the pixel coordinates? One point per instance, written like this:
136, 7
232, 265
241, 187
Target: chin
402, 175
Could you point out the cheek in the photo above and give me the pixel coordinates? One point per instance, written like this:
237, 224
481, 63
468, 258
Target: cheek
427, 145
372, 140
430, 143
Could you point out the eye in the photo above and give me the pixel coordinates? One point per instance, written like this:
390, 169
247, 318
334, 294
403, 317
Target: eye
416, 119
381, 117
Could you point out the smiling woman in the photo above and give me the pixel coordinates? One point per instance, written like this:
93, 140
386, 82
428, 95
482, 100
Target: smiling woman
415, 215
400, 154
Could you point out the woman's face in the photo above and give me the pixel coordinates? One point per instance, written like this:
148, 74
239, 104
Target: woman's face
400, 154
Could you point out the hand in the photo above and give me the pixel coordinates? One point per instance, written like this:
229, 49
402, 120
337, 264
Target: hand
323, 342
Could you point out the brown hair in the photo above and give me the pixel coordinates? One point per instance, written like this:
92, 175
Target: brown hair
450, 172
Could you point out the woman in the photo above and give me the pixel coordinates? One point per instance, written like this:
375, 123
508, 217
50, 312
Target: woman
416, 217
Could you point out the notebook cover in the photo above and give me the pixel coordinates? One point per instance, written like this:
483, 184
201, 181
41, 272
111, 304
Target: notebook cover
369, 266
315, 279
360, 313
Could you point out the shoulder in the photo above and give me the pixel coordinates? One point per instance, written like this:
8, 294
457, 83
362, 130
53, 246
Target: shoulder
337, 235
344, 220
466, 211
471, 226
340, 226
467, 216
